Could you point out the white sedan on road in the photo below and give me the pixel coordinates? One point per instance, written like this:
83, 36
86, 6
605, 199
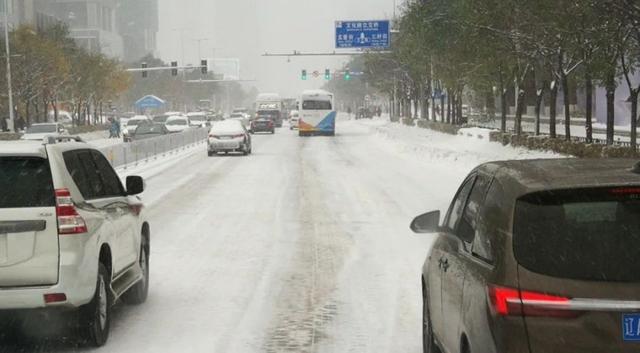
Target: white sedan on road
294, 119
37, 132
228, 136
177, 123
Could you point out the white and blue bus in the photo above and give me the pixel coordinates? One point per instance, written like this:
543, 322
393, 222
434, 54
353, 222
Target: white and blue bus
317, 113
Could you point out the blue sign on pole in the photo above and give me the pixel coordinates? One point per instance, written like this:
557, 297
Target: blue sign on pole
149, 102
363, 34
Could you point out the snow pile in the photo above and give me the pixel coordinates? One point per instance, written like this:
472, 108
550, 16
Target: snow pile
476, 132
450, 151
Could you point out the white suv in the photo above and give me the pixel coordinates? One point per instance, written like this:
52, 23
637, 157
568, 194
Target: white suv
71, 237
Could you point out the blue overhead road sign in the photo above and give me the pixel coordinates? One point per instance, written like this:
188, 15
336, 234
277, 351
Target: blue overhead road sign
148, 102
362, 34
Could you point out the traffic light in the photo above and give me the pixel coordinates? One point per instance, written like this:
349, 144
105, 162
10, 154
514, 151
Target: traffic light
144, 72
327, 74
203, 66
304, 75
347, 75
174, 72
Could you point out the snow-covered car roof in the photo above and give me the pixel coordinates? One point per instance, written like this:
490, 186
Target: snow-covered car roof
227, 126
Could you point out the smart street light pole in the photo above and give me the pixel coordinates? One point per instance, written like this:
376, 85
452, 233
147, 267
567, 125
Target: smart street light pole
8, 57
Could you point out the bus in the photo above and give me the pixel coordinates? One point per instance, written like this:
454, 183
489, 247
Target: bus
317, 113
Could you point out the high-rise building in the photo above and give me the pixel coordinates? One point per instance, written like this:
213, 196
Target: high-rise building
92, 23
138, 24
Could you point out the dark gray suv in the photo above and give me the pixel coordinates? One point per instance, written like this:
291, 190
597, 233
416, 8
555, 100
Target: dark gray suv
536, 256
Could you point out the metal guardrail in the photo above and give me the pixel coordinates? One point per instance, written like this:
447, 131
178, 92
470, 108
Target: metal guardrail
133, 153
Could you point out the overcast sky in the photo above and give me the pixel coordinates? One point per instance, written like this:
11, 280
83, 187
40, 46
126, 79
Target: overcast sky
245, 29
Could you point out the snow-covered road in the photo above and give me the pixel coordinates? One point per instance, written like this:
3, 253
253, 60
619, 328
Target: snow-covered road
303, 246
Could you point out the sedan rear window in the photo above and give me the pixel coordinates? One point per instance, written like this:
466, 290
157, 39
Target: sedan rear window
584, 234
25, 182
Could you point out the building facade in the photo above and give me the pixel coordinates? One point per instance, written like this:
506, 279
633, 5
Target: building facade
138, 25
123, 29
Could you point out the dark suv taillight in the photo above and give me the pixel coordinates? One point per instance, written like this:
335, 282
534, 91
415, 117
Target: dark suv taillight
514, 302
69, 221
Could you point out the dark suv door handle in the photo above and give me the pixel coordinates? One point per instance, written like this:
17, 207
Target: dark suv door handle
444, 264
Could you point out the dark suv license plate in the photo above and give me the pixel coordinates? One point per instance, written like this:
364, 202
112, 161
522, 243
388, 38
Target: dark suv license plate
631, 327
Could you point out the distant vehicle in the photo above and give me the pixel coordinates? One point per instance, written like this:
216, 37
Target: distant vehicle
532, 256
244, 118
240, 110
64, 117
146, 131
294, 119
211, 117
198, 119
263, 123
161, 118
364, 113
317, 114
270, 102
228, 136
72, 237
274, 115
37, 132
177, 123
129, 127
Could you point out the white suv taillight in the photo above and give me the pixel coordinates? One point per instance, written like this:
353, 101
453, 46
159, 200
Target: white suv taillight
69, 221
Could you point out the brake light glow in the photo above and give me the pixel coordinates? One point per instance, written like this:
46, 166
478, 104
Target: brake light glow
514, 302
69, 221
625, 191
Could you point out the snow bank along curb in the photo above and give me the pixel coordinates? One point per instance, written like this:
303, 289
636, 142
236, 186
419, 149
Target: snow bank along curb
559, 145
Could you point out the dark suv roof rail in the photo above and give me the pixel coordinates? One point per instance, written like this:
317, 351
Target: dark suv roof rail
52, 140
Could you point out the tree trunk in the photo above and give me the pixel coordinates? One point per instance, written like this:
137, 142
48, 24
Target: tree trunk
589, 109
634, 116
442, 103
45, 105
449, 107
539, 96
519, 110
567, 107
553, 100
611, 97
28, 113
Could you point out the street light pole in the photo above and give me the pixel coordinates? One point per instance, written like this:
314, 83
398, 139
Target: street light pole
12, 125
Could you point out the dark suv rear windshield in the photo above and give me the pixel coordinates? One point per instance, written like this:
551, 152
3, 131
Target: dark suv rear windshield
585, 234
25, 182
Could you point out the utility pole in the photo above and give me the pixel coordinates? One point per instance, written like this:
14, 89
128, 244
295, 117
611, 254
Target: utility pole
12, 125
200, 40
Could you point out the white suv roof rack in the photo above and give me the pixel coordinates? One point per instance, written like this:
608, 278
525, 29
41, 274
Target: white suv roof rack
52, 140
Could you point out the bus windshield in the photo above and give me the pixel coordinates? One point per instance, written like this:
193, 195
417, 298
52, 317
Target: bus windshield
316, 105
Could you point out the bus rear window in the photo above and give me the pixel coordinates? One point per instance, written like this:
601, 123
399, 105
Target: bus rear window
583, 234
316, 105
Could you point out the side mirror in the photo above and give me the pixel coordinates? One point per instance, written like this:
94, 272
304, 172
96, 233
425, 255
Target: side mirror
135, 185
426, 223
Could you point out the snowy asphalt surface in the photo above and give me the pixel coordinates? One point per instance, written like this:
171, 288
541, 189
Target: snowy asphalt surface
303, 246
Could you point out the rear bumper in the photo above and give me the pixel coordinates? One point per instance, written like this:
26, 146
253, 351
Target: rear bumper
77, 286
225, 146
76, 279
261, 129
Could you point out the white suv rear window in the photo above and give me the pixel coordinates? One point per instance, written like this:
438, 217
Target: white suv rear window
25, 182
